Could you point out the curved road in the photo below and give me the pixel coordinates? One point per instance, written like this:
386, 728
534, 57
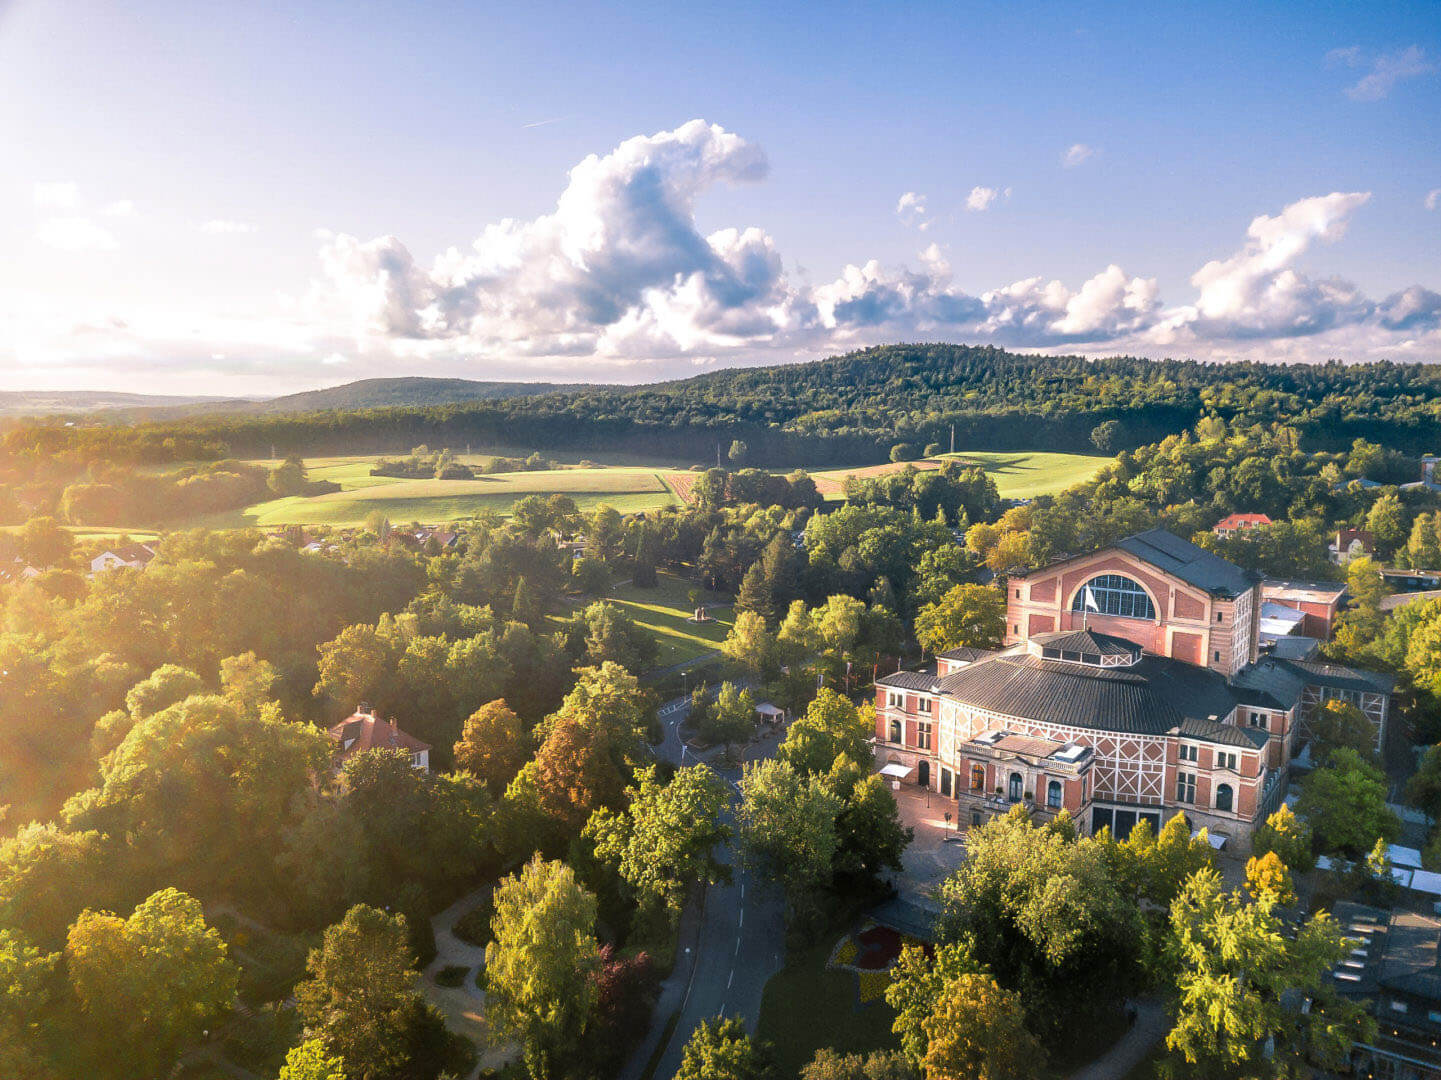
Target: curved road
737, 946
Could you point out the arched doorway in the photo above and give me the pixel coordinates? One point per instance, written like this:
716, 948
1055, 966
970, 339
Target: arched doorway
923, 774
1015, 787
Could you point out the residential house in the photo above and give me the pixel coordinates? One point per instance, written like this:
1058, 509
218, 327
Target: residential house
1235, 524
134, 556
364, 730
1350, 544
17, 571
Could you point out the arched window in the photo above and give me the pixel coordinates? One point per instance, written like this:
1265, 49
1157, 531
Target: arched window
1223, 796
1015, 791
1112, 594
895, 731
1053, 794
978, 777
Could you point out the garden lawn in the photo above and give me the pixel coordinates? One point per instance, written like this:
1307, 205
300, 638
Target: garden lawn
805, 1007
665, 611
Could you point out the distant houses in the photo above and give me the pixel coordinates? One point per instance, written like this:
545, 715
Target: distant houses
1350, 544
135, 556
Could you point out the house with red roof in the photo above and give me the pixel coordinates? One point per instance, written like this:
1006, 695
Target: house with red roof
1235, 524
364, 730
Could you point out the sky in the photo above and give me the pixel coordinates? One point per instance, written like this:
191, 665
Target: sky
252, 199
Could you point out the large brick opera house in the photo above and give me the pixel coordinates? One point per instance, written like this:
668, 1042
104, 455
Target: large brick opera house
1132, 684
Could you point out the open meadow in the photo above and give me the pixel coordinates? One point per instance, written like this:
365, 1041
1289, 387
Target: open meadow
1018, 474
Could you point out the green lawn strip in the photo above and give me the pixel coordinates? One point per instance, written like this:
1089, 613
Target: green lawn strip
666, 611
1018, 474
805, 1007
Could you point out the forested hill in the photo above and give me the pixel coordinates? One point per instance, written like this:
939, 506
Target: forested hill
852, 408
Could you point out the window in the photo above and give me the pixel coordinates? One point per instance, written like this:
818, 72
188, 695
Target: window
1017, 628
1112, 594
1053, 794
895, 731
923, 736
1398, 1006
945, 781
1220, 617
896, 700
923, 705
1224, 796
1187, 753
1015, 787
1258, 719
1186, 787
978, 777
1018, 594
1216, 656
1225, 760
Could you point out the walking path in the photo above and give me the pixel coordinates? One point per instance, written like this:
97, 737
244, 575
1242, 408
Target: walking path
1130, 1050
464, 1005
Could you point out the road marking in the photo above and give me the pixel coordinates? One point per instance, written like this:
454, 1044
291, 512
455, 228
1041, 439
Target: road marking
731, 979
743, 918
743, 890
738, 944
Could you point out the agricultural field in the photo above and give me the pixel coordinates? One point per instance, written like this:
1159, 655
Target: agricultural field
1021, 475
433, 502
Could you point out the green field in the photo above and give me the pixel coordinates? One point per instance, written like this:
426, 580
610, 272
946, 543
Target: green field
630, 487
1018, 475
665, 611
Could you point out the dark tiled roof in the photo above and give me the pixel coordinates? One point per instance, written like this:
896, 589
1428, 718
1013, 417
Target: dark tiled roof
966, 654
1087, 642
910, 680
1269, 683
1149, 698
1340, 677
1295, 647
1192, 564
1225, 734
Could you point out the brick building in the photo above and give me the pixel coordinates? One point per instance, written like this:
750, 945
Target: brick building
1131, 686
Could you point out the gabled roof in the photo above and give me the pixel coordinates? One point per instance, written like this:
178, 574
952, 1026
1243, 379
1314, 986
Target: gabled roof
1226, 734
1242, 521
1087, 642
924, 681
1192, 564
1340, 677
362, 731
965, 654
131, 552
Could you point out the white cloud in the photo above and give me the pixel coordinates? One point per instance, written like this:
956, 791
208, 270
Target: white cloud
911, 209
120, 208
1077, 153
222, 227
1386, 69
1255, 292
1433, 198
618, 282
75, 234
56, 195
981, 198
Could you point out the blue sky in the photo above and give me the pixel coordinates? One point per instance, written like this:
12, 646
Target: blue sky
257, 198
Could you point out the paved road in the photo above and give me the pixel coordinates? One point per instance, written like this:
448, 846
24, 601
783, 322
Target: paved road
737, 944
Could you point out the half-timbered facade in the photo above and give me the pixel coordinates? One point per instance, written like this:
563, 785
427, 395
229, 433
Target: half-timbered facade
1131, 686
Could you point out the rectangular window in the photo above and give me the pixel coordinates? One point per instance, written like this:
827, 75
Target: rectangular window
895, 700
1018, 594
923, 736
1017, 628
1217, 655
1220, 617
1225, 760
978, 777
1258, 720
1185, 787
923, 705
1187, 753
1398, 1006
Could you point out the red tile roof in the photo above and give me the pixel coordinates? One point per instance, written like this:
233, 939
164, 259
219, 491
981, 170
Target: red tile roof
363, 731
1242, 521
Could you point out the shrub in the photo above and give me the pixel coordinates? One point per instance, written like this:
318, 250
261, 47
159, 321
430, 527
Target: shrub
473, 927
451, 975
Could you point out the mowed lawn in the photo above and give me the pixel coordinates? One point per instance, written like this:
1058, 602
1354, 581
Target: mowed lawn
806, 1007
1018, 475
665, 611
